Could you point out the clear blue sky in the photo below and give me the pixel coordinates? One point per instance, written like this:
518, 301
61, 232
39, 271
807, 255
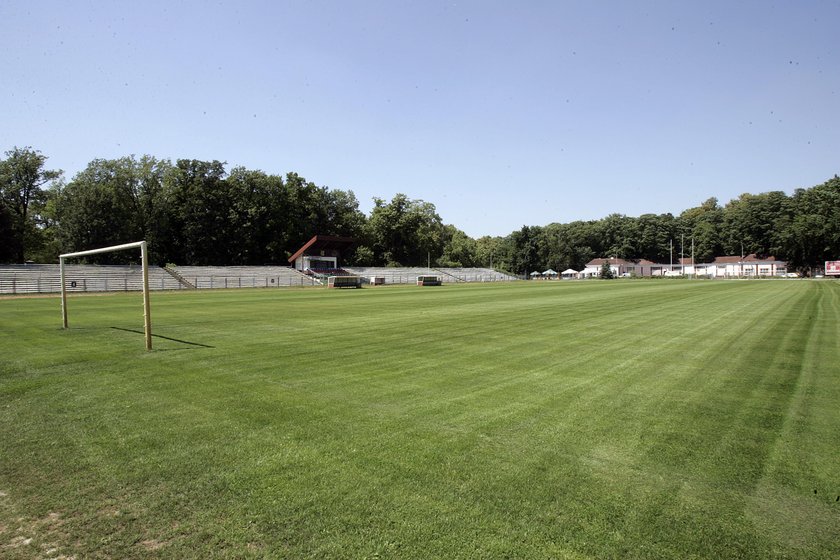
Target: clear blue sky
500, 113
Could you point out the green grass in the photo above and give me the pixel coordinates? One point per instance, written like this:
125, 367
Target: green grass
624, 419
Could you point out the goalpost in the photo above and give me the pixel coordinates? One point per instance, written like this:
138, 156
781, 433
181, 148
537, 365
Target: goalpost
147, 318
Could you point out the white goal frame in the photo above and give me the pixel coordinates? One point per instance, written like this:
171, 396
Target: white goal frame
147, 317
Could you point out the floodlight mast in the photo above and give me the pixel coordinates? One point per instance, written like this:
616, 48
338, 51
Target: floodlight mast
147, 317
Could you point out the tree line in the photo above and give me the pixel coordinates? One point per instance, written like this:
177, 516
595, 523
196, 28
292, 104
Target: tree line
195, 212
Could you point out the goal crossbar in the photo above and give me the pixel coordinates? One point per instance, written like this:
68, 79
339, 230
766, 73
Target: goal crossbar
147, 318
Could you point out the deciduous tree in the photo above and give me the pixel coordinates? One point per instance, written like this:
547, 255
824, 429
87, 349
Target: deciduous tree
112, 202
23, 185
405, 232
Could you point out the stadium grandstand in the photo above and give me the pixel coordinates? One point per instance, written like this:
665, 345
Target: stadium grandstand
391, 275
46, 278
473, 275
316, 263
408, 275
205, 277
319, 257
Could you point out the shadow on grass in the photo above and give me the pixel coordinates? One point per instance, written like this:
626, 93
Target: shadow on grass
165, 338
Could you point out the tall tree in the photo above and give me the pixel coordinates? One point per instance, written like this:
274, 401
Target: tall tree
488, 251
307, 210
618, 233
524, 250
405, 232
755, 222
8, 243
813, 234
343, 216
201, 230
23, 183
704, 226
653, 236
459, 249
112, 202
260, 211
563, 246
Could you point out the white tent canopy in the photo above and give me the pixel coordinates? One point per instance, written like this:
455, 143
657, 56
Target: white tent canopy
550, 272
535, 273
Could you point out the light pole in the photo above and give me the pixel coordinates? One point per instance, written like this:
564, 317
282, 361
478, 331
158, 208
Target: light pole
693, 266
672, 256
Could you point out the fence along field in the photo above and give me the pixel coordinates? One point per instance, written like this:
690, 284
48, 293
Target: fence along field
569, 420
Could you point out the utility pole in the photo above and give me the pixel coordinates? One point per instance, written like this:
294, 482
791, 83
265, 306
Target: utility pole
693, 264
672, 254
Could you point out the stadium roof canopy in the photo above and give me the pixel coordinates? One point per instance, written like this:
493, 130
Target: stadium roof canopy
323, 243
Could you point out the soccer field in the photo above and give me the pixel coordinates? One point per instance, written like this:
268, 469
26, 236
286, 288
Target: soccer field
623, 419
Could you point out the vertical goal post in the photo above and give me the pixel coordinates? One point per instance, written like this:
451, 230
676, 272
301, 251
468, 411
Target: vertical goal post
144, 257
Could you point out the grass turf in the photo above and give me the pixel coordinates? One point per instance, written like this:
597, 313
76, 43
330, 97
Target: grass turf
627, 419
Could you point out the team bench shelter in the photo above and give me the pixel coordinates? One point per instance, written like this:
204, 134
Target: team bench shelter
428, 281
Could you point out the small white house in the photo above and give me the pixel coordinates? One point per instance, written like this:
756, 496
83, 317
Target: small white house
617, 266
750, 266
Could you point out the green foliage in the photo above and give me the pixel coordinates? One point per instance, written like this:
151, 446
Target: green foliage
405, 232
752, 223
653, 235
704, 224
606, 272
113, 202
9, 241
195, 212
617, 233
362, 256
812, 235
489, 252
523, 251
23, 196
459, 249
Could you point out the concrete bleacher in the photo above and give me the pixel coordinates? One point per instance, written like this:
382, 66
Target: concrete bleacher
401, 275
205, 277
408, 275
474, 275
46, 278
323, 274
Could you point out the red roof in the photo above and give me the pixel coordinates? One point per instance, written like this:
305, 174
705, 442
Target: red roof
735, 259
599, 262
323, 243
729, 259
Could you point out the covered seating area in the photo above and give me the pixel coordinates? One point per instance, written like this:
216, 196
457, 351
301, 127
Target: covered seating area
320, 256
